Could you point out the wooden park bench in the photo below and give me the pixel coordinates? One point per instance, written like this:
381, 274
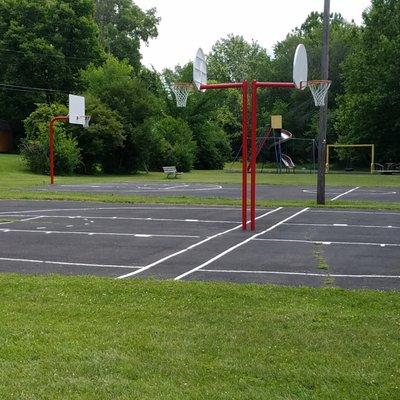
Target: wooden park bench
171, 172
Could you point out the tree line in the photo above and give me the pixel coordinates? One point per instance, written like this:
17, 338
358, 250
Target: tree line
92, 47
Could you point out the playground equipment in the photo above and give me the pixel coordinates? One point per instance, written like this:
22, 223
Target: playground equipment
389, 168
283, 136
288, 162
331, 146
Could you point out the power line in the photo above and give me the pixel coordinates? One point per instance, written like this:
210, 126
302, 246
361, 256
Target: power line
19, 88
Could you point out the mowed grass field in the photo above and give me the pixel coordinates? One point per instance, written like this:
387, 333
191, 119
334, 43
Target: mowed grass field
17, 183
92, 338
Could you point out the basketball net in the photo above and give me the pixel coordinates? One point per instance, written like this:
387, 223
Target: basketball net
319, 90
84, 120
181, 92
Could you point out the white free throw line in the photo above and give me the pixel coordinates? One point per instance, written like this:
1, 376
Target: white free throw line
239, 245
26, 260
344, 194
230, 271
191, 247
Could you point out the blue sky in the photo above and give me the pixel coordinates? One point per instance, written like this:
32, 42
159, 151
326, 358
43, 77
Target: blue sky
187, 25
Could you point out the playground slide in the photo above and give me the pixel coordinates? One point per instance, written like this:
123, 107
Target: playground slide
287, 161
285, 136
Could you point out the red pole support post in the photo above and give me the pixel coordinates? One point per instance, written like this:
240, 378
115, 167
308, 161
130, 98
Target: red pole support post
51, 144
253, 155
244, 154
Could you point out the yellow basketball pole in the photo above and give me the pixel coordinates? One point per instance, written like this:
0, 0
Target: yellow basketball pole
373, 159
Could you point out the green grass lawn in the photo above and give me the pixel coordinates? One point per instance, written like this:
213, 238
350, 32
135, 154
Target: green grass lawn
92, 338
17, 182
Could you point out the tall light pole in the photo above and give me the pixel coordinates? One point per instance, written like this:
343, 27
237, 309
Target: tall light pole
323, 112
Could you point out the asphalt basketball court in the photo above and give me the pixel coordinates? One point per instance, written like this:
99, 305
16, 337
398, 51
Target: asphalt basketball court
291, 246
296, 246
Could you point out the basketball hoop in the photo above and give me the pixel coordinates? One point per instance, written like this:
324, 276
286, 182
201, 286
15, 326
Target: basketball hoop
83, 120
181, 91
319, 90
87, 120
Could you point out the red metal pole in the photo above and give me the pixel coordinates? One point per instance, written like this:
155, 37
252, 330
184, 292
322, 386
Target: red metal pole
287, 85
244, 154
221, 86
51, 151
253, 154
51, 144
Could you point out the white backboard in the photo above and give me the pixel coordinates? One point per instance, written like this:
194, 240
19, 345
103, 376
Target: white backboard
200, 69
300, 67
76, 110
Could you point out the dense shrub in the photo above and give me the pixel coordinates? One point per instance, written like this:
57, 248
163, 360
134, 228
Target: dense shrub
35, 147
176, 143
102, 141
213, 148
67, 158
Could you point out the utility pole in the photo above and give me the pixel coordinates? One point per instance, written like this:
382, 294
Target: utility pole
323, 111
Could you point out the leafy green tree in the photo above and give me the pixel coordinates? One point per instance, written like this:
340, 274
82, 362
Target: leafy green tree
220, 108
369, 110
233, 59
299, 109
115, 86
44, 44
123, 26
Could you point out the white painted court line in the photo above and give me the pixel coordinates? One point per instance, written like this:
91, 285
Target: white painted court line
30, 219
124, 219
369, 192
7, 230
191, 247
129, 188
229, 271
345, 193
347, 226
222, 208
354, 212
18, 220
328, 242
239, 245
31, 261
